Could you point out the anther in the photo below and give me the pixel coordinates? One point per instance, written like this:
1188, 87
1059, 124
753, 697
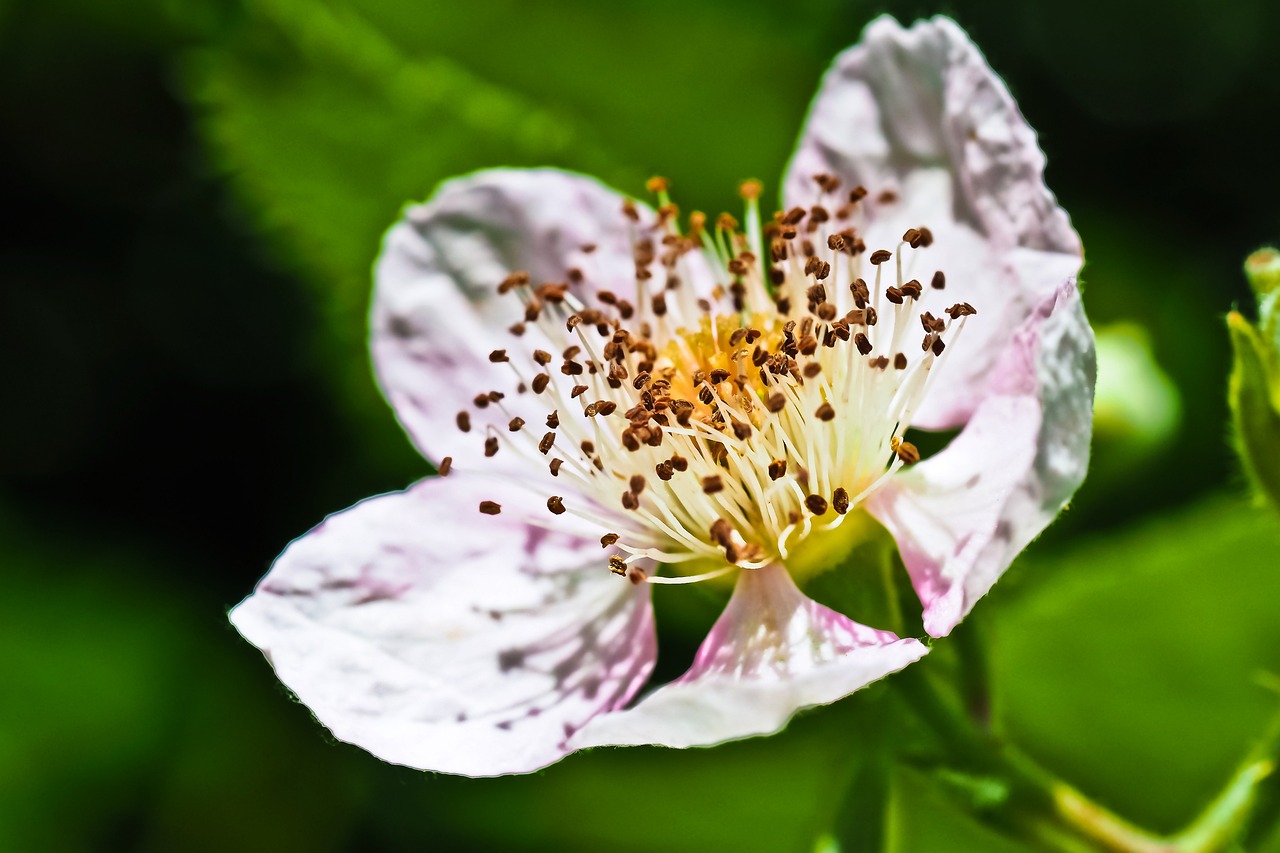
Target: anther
825, 412
879, 256
816, 504
617, 565
464, 421
498, 356
511, 282
490, 446
555, 503
637, 575
857, 194
516, 329
446, 465
555, 467
712, 484
542, 357
900, 361
578, 391
679, 463
939, 280
553, 419
777, 469
540, 383
629, 500
490, 508
741, 430
840, 501
637, 483
516, 424
544, 446
907, 452
864, 345
812, 369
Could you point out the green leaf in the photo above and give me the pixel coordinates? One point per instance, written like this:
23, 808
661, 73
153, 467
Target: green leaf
1129, 663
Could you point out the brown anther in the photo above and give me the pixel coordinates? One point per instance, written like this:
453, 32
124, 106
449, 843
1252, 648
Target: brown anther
872, 316
718, 375
607, 407
547, 441
741, 430
828, 183
573, 322
818, 213
840, 500
637, 575
777, 469
629, 210
591, 409
630, 500
721, 532
825, 412
862, 343
937, 346
515, 424
679, 463
490, 446
490, 508
826, 312
516, 329
879, 256
637, 483
907, 452
540, 383
880, 362
857, 194
725, 222
887, 197
926, 237
608, 539
617, 565
712, 484
542, 357
659, 305
464, 421
812, 369
938, 281
571, 368
578, 391
900, 361
511, 282
498, 356
446, 465
912, 289
555, 467
664, 471
816, 504
894, 295
553, 419
480, 401
911, 237
587, 447
625, 309
555, 503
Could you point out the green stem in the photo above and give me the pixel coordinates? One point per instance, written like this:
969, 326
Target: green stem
1057, 815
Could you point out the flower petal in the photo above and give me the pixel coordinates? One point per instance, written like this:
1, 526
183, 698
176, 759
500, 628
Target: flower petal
436, 312
772, 652
442, 639
961, 517
920, 113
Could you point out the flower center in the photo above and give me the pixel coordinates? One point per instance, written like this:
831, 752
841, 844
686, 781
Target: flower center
724, 428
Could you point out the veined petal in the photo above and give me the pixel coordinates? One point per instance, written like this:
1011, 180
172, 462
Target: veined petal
442, 639
436, 314
920, 113
961, 517
772, 652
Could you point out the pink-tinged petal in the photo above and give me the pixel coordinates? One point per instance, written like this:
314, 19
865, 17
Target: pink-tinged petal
919, 112
772, 652
961, 517
442, 639
437, 314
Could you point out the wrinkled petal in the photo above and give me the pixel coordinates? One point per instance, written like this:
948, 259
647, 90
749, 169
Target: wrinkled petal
436, 312
772, 652
442, 639
961, 517
920, 113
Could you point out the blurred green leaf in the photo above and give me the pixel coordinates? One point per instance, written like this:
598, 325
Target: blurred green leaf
1128, 663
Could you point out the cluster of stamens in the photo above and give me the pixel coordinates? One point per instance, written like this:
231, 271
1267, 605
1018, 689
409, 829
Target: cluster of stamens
722, 429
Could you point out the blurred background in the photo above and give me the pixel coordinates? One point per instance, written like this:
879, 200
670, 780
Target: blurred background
194, 193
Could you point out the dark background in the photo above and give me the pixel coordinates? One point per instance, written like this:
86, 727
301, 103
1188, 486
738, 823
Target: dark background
193, 194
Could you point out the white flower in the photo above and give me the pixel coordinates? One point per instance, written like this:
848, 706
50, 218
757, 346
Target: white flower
700, 401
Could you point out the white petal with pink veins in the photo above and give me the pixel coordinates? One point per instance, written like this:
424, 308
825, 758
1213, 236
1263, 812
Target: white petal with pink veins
961, 517
439, 638
772, 652
437, 315
920, 113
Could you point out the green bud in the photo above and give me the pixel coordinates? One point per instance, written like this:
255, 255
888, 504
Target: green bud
1255, 376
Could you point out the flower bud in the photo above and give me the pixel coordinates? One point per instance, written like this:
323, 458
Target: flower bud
1255, 376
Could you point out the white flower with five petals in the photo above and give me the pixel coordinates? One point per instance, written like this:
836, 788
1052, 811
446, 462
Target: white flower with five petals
620, 399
